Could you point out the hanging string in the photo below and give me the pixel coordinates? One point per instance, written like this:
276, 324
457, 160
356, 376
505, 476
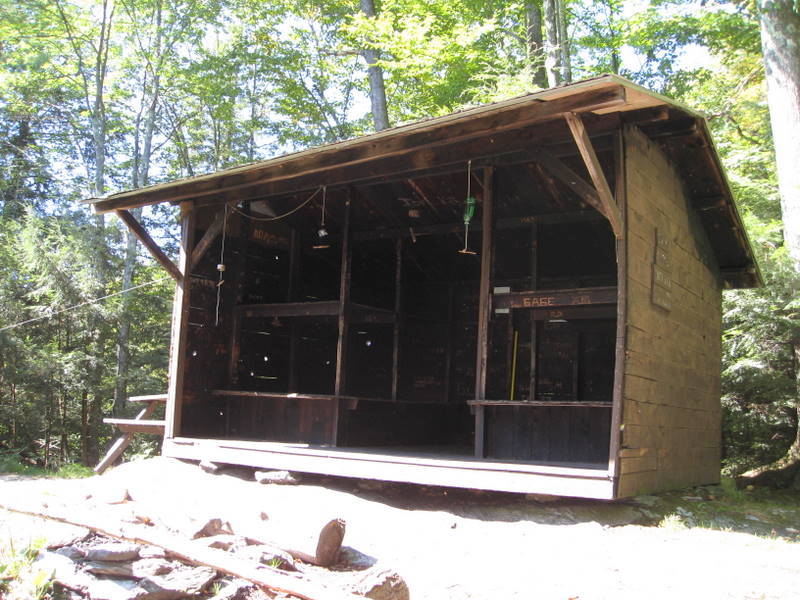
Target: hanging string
469, 177
221, 264
87, 303
279, 217
324, 197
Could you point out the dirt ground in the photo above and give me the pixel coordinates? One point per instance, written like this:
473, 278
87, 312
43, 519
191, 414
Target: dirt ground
463, 545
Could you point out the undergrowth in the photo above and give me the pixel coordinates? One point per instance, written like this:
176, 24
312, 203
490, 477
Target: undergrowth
11, 463
19, 579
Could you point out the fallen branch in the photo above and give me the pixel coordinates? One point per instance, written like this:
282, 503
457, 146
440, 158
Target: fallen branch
190, 552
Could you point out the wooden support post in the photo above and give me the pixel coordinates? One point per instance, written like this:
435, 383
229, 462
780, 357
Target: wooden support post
448, 359
620, 192
180, 323
534, 329
611, 210
209, 236
291, 293
398, 301
235, 341
484, 306
148, 242
571, 179
340, 387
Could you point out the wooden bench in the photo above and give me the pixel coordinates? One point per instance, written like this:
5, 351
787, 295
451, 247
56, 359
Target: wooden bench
141, 423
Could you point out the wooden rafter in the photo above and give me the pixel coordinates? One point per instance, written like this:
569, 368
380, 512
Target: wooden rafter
611, 210
148, 242
208, 238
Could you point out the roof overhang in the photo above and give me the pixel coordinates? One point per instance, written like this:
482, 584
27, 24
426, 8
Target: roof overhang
483, 133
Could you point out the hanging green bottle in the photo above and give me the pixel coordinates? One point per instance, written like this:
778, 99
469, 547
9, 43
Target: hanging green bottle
469, 209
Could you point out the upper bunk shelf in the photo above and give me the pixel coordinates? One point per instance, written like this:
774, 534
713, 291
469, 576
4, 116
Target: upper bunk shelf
357, 313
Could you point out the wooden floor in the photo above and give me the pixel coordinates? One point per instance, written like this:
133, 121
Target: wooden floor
408, 465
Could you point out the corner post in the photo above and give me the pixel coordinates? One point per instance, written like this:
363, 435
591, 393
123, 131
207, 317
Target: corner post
180, 322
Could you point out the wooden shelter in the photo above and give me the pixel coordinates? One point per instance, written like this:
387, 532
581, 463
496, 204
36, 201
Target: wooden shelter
573, 349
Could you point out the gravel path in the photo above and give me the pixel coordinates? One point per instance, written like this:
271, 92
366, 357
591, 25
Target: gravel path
460, 545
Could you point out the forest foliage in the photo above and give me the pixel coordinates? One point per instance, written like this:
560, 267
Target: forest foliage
103, 95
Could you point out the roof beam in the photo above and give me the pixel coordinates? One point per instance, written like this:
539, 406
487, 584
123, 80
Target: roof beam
571, 179
610, 208
141, 234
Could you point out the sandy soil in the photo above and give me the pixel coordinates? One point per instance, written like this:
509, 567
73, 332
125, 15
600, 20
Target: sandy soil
460, 545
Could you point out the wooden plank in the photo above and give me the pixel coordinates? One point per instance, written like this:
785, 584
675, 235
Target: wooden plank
216, 227
542, 403
154, 249
151, 398
122, 442
484, 306
574, 313
555, 298
340, 384
291, 309
578, 216
473, 474
137, 426
610, 208
180, 324
361, 152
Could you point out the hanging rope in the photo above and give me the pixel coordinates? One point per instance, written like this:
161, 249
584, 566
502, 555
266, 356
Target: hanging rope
279, 217
87, 303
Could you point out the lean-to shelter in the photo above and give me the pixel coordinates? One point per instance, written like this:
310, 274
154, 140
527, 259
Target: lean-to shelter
566, 341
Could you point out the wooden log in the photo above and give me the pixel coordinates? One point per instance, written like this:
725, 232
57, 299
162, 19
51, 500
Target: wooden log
188, 551
148, 242
317, 546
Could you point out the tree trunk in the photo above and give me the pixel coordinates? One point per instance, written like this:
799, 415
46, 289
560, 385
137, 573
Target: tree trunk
62, 407
780, 32
552, 54
535, 43
377, 91
563, 38
85, 427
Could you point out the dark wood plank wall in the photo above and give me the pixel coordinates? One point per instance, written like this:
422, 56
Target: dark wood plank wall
671, 411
